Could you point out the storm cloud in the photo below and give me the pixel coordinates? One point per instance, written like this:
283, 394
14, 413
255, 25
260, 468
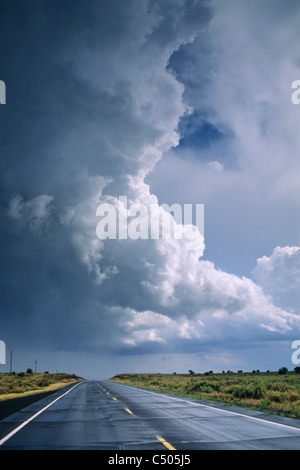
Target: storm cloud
156, 101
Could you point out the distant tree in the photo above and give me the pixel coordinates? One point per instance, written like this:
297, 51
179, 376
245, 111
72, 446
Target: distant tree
191, 372
283, 371
297, 370
29, 371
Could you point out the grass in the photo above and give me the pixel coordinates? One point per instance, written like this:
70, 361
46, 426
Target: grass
23, 384
269, 392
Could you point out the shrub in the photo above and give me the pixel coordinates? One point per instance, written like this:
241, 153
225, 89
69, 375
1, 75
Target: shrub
276, 396
293, 396
242, 392
17, 390
206, 389
154, 382
277, 386
43, 383
280, 397
283, 371
252, 391
265, 402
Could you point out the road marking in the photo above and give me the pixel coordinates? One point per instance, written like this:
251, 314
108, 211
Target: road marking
165, 443
14, 431
102, 388
128, 411
215, 408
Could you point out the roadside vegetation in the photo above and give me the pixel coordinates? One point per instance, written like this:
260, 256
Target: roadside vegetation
13, 385
271, 392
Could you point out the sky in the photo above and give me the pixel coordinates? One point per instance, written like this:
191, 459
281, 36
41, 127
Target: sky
184, 102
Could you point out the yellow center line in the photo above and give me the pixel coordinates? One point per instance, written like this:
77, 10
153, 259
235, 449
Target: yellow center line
161, 439
107, 393
100, 386
165, 443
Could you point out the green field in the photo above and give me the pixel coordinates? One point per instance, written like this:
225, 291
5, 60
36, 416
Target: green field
22, 384
266, 391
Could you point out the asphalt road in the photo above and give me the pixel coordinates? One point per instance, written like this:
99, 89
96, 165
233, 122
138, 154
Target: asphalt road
106, 416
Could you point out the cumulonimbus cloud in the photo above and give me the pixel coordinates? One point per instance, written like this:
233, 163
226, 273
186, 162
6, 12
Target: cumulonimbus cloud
116, 114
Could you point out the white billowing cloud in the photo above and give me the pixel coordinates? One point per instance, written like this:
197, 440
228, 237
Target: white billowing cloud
279, 276
260, 320
237, 76
163, 292
134, 118
144, 327
137, 102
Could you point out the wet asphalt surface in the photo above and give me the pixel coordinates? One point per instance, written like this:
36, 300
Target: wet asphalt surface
102, 415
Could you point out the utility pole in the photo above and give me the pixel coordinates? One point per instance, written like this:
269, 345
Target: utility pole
35, 363
11, 361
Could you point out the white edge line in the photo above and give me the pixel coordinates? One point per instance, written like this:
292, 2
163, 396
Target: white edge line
14, 431
214, 408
